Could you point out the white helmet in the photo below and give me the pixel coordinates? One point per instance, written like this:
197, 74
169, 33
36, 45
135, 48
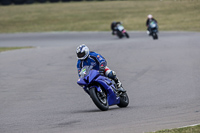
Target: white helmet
82, 52
150, 16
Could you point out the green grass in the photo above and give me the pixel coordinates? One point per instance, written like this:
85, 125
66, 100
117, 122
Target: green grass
191, 129
96, 16
11, 48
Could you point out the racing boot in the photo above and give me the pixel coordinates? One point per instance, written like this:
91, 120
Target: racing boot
119, 85
148, 32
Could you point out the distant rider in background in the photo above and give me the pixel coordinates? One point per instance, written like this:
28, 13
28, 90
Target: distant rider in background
88, 58
113, 26
149, 19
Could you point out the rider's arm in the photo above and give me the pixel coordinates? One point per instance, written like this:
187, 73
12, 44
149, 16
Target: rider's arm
98, 58
147, 22
101, 60
79, 67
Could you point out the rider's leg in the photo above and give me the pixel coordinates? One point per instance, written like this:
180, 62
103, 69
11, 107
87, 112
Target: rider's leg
148, 32
149, 29
111, 74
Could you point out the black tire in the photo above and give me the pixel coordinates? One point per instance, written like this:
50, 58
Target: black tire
126, 34
100, 101
155, 36
124, 100
119, 34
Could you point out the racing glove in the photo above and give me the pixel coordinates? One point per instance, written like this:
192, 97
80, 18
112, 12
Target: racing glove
102, 69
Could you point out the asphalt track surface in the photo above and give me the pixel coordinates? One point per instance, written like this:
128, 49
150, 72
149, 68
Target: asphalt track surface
39, 94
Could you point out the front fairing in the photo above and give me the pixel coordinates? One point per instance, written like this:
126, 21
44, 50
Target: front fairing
87, 75
92, 75
153, 26
81, 82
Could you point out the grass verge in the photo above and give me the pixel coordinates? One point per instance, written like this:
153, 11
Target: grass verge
190, 129
178, 15
12, 48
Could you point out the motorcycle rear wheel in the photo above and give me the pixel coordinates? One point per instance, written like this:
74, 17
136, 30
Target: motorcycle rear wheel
124, 100
99, 98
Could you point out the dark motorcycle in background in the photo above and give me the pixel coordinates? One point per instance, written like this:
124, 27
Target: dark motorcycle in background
153, 29
120, 31
101, 89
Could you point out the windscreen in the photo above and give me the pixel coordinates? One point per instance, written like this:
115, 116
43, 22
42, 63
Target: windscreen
85, 71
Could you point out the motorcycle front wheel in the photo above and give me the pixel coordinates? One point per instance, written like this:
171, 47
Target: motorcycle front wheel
119, 34
99, 98
155, 36
126, 34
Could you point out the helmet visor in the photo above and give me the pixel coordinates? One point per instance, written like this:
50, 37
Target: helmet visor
80, 55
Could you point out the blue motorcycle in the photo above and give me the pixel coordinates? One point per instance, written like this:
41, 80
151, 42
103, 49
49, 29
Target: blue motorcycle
153, 28
101, 89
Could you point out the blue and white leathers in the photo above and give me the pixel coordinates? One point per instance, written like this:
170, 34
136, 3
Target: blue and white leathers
94, 59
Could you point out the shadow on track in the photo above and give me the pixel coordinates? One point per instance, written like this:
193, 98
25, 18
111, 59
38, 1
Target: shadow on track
97, 110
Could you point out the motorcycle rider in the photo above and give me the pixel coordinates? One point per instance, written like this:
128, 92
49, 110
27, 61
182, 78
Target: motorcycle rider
149, 19
113, 26
86, 58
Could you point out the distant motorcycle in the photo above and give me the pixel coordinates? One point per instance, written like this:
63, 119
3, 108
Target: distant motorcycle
101, 89
153, 29
121, 32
